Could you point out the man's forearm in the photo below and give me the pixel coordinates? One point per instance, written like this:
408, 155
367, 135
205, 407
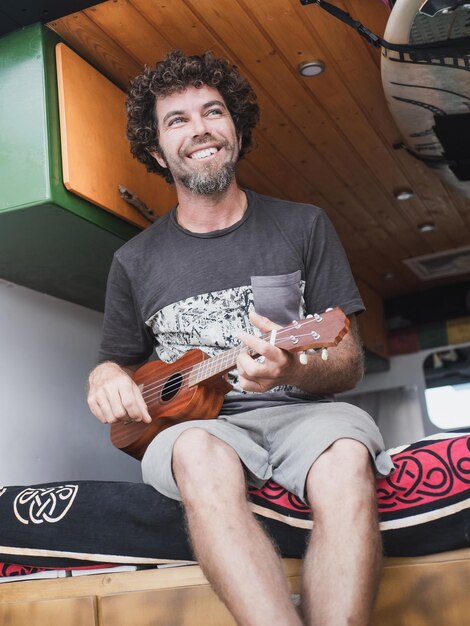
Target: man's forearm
331, 376
342, 371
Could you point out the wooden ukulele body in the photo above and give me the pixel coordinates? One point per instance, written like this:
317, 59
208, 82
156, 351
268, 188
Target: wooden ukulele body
171, 401
194, 386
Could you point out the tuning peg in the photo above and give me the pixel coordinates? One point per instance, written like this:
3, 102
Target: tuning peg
303, 358
324, 354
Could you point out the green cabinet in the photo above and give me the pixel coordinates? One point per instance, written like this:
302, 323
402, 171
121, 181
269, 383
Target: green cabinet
51, 240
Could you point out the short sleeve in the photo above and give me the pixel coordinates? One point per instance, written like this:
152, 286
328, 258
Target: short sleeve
126, 339
328, 276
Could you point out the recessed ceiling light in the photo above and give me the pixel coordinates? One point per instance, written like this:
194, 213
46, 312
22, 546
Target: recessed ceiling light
427, 227
311, 68
404, 194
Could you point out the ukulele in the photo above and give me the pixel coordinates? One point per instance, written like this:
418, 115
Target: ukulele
194, 386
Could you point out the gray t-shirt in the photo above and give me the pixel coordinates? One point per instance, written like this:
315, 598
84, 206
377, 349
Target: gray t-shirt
171, 290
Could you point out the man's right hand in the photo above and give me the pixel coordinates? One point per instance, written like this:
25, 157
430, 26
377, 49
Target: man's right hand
114, 397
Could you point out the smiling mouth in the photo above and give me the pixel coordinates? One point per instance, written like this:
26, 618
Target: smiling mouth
203, 154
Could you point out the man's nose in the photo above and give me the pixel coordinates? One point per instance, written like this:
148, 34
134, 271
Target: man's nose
199, 126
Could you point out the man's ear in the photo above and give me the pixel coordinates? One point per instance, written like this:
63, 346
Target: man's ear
158, 157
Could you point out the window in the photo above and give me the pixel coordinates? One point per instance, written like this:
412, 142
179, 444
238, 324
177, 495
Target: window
447, 374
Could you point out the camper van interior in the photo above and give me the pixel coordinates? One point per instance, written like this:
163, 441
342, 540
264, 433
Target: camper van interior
365, 112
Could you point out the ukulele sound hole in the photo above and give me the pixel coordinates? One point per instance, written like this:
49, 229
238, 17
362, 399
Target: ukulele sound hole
171, 387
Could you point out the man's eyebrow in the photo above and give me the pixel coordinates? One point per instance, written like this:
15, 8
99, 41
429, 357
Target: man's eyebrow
171, 113
206, 105
214, 103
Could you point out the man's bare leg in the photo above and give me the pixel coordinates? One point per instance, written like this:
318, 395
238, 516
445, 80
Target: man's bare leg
234, 553
343, 563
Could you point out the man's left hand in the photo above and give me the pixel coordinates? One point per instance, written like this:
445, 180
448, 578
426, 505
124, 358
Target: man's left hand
271, 368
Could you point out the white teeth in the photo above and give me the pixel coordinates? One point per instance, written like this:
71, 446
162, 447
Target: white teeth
203, 153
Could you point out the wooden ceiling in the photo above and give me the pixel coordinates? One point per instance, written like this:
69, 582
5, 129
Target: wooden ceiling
326, 140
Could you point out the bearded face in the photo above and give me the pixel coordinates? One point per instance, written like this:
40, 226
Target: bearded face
198, 140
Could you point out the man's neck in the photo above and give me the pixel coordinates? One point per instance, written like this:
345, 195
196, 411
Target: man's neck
207, 213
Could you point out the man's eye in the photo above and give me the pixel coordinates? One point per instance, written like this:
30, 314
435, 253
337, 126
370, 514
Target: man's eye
214, 112
176, 120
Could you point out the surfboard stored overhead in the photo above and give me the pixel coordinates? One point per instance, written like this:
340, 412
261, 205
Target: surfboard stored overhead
428, 89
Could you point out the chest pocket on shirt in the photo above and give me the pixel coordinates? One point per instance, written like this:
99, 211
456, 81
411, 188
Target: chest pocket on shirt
279, 297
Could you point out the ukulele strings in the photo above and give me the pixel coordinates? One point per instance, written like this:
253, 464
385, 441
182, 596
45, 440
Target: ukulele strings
154, 388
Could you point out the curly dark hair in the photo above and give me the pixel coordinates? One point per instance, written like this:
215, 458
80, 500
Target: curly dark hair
174, 73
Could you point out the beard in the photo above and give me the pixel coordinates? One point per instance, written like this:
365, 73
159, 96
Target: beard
208, 179
209, 182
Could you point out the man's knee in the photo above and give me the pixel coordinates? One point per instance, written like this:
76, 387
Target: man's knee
343, 473
200, 456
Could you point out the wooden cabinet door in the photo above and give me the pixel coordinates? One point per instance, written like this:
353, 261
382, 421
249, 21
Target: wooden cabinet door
181, 606
424, 594
96, 158
62, 611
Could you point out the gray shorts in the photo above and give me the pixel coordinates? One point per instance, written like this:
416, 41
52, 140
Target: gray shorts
279, 442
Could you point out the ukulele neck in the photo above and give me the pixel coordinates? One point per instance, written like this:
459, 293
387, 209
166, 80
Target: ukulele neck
314, 332
216, 365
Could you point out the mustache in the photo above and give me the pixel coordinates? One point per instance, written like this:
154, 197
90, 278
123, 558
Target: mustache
203, 139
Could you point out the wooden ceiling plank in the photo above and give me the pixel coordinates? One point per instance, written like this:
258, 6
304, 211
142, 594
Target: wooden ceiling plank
249, 177
384, 251
276, 17
365, 85
388, 288
383, 264
374, 15
242, 35
462, 203
308, 162
95, 46
373, 263
439, 204
277, 168
123, 23
181, 27
375, 277
282, 22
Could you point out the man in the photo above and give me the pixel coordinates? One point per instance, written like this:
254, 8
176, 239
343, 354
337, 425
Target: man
225, 265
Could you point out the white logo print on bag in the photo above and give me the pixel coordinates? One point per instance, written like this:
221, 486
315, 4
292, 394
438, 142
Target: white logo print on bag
50, 504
